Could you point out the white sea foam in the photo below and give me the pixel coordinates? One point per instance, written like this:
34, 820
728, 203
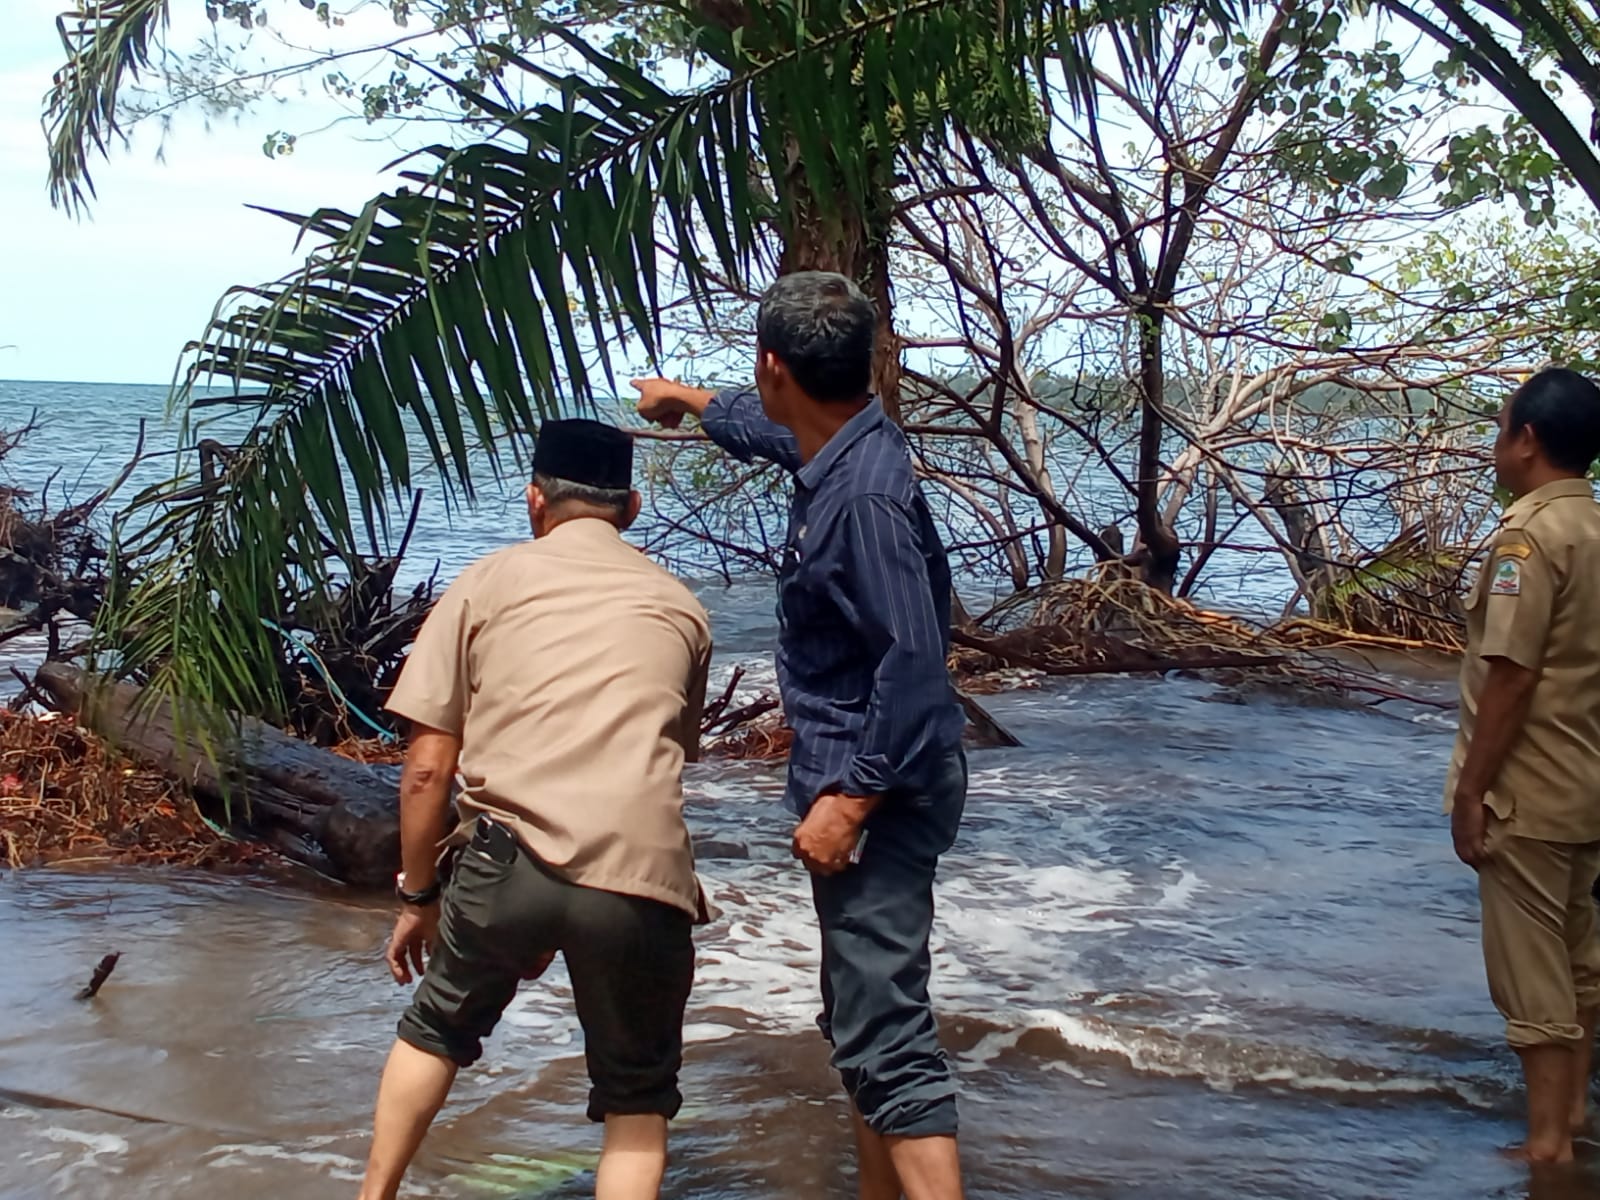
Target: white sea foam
337, 1166
1075, 1072
96, 1144
707, 1031
1182, 890
91, 1153
1225, 1068
989, 1047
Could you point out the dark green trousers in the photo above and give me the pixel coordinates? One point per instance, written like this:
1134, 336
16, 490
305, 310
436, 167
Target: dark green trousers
631, 962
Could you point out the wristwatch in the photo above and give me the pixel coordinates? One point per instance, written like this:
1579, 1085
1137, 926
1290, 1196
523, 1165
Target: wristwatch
417, 899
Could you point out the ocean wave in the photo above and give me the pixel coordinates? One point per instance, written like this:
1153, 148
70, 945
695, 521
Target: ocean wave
1087, 1046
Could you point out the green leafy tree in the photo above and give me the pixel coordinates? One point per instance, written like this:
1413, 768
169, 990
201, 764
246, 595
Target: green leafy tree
452, 306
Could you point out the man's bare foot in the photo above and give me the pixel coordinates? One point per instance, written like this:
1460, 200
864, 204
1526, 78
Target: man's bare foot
1580, 1122
1543, 1158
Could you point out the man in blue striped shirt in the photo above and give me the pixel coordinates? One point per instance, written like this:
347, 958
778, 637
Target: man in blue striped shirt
877, 775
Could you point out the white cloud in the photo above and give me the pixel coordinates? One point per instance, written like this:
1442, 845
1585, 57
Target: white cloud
115, 297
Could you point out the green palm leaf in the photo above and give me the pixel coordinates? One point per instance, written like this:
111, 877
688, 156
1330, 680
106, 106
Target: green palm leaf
107, 43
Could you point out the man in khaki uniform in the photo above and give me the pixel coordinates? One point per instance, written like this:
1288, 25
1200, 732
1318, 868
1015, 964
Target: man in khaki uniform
565, 678
1524, 786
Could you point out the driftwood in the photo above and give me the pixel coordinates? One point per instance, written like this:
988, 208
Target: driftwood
339, 816
52, 563
340, 648
102, 973
984, 731
1137, 661
718, 719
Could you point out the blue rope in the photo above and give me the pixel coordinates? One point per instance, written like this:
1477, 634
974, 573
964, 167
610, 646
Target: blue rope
322, 669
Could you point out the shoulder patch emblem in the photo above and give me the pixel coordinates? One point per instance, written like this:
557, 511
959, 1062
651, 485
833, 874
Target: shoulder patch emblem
1513, 550
1507, 580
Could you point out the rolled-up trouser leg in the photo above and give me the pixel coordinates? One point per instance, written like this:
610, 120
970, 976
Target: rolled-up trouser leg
631, 962
1583, 928
876, 918
1539, 939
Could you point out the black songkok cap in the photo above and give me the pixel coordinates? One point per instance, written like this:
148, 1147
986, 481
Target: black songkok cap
587, 452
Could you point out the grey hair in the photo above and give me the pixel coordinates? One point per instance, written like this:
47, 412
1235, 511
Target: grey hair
821, 326
563, 491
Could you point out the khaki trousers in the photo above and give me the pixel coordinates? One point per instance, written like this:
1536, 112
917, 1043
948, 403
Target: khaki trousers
1541, 939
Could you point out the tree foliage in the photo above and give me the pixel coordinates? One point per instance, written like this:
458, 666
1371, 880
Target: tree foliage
433, 329
448, 306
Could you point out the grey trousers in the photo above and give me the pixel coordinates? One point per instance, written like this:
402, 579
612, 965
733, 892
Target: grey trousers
876, 918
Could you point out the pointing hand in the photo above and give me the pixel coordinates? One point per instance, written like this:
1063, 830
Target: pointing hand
661, 401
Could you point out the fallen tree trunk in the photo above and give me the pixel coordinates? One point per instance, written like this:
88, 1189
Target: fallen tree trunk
333, 814
983, 730
1137, 662
338, 816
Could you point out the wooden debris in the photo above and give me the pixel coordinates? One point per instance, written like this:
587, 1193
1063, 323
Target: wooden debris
341, 650
765, 737
1114, 625
1137, 660
52, 563
346, 812
1108, 625
102, 973
983, 729
66, 797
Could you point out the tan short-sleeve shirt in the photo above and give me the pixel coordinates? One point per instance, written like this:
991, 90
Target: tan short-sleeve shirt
574, 671
1536, 602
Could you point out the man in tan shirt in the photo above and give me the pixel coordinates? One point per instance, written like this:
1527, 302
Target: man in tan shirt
1524, 785
564, 678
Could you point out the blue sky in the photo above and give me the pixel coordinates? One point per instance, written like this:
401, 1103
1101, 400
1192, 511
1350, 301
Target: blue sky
114, 297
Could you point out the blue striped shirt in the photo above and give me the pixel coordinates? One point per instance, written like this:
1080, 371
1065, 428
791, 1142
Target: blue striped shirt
863, 607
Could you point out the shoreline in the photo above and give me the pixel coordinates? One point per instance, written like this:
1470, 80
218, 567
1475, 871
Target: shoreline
67, 799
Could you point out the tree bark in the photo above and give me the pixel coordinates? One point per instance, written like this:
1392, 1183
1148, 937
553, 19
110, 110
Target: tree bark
275, 786
1160, 547
839, 237
848, 242
1300, 524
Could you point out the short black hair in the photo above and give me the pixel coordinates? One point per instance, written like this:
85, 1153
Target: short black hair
1563, 408
821, 326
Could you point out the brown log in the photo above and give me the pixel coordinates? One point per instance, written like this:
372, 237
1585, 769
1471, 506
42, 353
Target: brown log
266, 779
1142, 664
982, 728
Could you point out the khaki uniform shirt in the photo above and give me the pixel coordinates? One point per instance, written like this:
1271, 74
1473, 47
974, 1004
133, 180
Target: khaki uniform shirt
574, 671
1537, 603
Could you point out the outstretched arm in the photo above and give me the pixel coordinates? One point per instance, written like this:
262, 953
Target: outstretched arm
733, 419
666, 402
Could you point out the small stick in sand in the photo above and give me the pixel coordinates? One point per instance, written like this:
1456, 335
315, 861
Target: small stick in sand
102, 973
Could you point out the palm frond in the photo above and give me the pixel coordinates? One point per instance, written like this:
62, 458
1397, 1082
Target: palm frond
107, 42
1407, 589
